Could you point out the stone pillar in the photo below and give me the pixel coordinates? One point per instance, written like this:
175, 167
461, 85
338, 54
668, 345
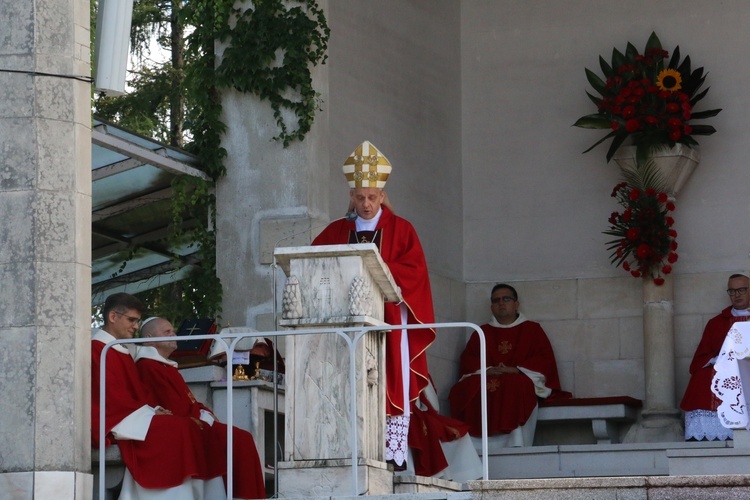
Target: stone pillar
45, 262
660, 417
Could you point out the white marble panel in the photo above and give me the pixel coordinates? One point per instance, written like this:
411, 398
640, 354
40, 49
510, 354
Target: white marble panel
318, 397
332, 478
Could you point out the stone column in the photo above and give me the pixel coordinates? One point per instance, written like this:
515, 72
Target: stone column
45, 236
660, 417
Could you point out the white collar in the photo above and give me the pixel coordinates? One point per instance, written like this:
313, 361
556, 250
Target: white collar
105, 338
368, 224
150, 352
520, 319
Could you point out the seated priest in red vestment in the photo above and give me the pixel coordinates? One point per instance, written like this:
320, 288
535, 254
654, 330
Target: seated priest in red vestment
161, 375
521, 367
164, 454
699, 402
371, 220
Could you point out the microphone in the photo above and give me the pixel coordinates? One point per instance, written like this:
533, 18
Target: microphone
351, 215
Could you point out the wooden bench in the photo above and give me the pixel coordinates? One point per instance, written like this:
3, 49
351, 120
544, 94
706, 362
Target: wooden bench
605, 414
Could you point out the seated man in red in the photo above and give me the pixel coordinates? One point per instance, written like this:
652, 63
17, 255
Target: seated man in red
699, 402
160, 374
164, 454
521, 367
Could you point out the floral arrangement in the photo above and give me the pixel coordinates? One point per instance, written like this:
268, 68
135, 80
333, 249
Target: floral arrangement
645, 243
647, 99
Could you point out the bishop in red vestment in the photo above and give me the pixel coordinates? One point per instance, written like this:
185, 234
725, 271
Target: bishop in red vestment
366, 171
163, 378
520, 368
699, 402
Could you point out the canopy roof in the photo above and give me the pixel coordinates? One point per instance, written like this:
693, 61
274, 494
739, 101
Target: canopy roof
131, 179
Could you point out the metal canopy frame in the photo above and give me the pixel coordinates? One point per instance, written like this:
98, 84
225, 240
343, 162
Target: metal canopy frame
131, 178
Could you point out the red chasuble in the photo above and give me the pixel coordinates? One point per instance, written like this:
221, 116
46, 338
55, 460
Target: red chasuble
511, 397
402, 252
173, 448
172, 392
698, 394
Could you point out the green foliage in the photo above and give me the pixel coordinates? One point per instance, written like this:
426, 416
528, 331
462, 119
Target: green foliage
271, 49
274, 45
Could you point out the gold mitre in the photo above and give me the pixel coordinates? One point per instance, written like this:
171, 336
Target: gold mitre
367, 167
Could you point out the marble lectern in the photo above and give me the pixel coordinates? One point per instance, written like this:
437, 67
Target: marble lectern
328, 287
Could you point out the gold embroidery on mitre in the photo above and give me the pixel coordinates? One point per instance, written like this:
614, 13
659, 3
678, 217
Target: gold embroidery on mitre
367, 167
505, 347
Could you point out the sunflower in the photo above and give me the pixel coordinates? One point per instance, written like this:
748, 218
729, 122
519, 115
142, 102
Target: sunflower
669, 79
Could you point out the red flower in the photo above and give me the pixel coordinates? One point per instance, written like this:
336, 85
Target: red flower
675, 134
672, 233
651, 120
636, 274
672, 257
670, 221
670, 206
662, 197
632, 125
674, 123
634, 194
628, 112
626, 265
633, 233
615, 125
673, 245
643, 251
658, 281
627, 215
673, 107
666, 269
650, 191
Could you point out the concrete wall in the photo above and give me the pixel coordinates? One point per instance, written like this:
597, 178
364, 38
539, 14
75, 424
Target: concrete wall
473, 103
45, 261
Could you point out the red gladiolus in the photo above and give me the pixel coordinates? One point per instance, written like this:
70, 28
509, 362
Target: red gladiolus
672, 257
670, 221
673, 245
662, 197
666, 269
634, 194
658, 281
672, 233
670, 206
632, 233
632, 125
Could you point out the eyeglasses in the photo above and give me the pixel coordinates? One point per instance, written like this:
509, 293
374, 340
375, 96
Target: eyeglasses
508, 298
737, 291
137, 321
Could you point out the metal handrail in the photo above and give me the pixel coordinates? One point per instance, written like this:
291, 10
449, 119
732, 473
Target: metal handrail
356, 335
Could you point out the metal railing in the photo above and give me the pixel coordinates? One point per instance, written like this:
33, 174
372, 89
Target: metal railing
351, 335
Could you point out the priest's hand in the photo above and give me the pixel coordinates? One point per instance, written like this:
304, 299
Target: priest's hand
501, 369
198, 422
162, 411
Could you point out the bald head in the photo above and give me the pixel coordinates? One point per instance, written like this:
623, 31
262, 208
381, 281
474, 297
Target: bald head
160, 327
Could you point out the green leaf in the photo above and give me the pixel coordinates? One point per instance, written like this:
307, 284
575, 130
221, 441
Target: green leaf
607, 70
616, 143
675, 60
703, 130
594, 99
595, 81
617, 59
700, 115
631, 52
611, 134
653, 42
595, 121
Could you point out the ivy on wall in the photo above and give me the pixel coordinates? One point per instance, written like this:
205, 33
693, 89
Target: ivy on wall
272, 46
